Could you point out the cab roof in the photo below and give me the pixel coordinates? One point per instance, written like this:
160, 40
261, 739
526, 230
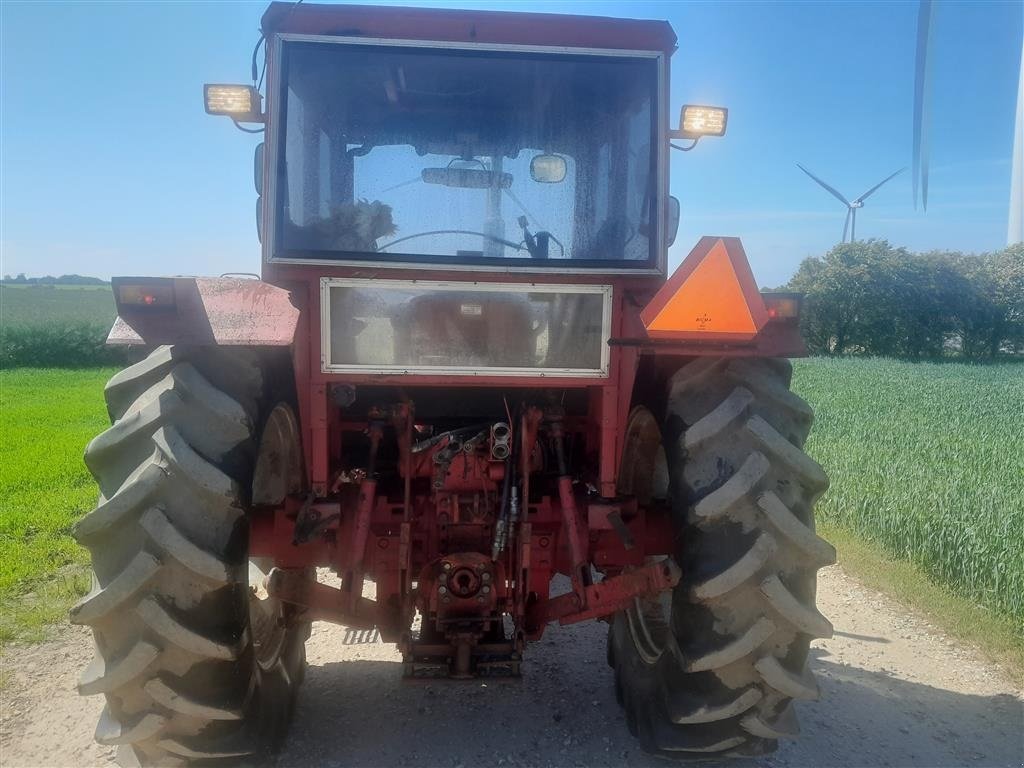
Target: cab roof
459, 26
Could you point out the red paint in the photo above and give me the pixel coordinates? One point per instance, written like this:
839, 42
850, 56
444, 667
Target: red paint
605, 598
574, 533
545, 29
222, 311
354, 577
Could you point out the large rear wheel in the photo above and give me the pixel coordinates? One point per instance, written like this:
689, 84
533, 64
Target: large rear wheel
711, 668
196, 662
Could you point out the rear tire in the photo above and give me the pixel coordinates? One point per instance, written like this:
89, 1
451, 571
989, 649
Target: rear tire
195, 666
711, 668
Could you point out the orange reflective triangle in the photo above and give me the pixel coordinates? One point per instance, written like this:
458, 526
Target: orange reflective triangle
712, 295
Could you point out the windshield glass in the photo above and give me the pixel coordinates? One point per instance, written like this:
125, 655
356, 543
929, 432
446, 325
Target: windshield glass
411, 154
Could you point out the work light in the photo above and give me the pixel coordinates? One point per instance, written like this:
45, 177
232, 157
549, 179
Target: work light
240, 102
696, 121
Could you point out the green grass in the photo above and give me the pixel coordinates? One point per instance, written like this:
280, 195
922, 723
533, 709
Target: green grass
46, 418
43, 304
927, 462
996, 635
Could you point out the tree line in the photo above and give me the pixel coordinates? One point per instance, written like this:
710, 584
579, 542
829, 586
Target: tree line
20, 279
870, 298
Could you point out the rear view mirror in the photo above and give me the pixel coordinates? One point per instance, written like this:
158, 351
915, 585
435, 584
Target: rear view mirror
467, 178
257, 168
547, 169
672, 225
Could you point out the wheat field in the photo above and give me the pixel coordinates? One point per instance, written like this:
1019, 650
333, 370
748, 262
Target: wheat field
927, 460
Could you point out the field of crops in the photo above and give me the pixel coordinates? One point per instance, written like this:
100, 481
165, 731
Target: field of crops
928, 461
57, 326
46, 419
33, 305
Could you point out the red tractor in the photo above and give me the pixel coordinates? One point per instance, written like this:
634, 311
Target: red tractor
462, 378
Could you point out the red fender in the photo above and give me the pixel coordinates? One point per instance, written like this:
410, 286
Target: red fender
202, 311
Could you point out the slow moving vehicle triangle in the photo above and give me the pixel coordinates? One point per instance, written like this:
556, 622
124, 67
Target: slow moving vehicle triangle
711, 296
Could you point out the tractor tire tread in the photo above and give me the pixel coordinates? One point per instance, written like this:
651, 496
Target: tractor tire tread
737, 489
735, 651
110, 731
800, 685
102, 676
95, 606
784, 726
166, 696
170, 605
739, 572
711, 714
787, 525
787, 605
166, 537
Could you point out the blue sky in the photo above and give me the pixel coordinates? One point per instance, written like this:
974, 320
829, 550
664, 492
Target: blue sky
110, 165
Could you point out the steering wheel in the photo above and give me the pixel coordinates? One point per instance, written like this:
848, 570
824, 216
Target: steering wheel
492, 238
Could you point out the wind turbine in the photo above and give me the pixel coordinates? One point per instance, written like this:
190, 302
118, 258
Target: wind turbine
922, 120
1015, 230
851, 205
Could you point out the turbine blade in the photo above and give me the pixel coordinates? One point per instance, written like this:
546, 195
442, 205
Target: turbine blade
863, 197
846, 224
835, 194
853, 225
1015, 228
924, 173
922, 100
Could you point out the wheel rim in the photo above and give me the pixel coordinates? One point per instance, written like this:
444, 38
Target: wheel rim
644, 474
649, 622
278, 473
644, 469
266, 615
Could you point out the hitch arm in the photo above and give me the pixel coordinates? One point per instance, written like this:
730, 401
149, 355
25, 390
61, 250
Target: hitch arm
321, 601
608, 596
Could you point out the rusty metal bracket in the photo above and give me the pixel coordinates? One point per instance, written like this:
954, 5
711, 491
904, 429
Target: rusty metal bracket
620, 527
309, 521
321, 602
608, 596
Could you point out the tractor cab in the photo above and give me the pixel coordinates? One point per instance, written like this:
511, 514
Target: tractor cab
465, 139
489, 152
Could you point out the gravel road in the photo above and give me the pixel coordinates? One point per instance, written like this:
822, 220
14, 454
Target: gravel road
896, 692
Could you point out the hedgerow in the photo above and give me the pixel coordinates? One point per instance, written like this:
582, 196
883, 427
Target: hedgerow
68, 344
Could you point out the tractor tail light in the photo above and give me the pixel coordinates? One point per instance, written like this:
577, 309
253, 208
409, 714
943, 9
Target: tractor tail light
147, 293
782, 306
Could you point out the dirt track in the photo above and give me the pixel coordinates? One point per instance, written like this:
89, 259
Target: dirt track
895, 693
